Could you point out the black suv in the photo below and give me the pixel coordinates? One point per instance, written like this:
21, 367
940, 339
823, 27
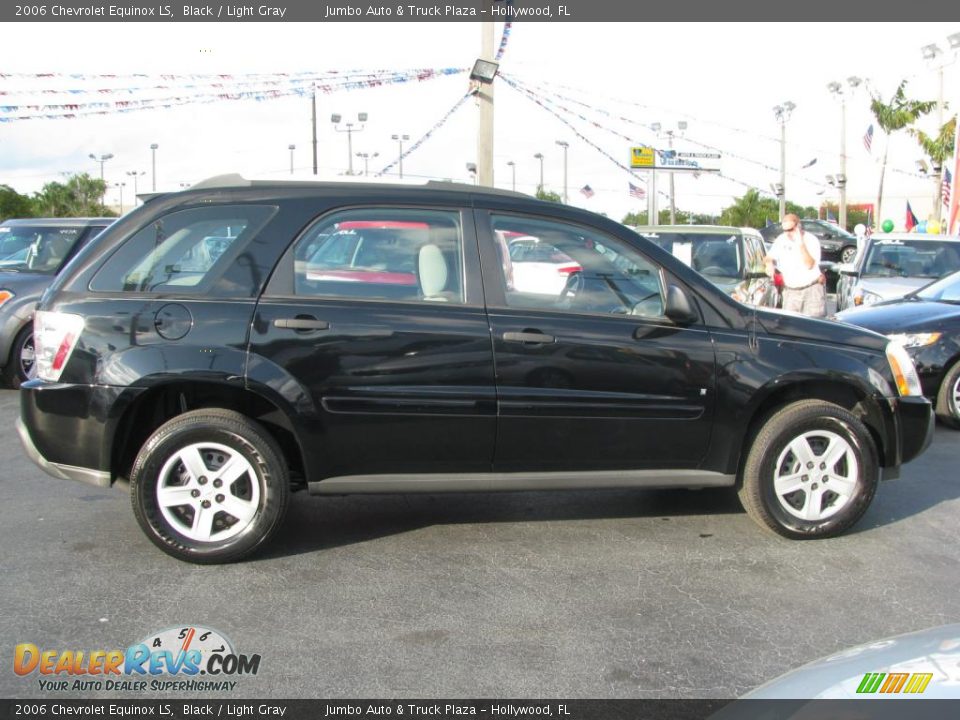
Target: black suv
836, 244
221, 347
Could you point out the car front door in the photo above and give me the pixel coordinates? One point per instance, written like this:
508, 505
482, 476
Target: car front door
592, 377
373, 326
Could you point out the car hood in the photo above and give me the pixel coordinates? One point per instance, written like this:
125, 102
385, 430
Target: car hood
935, 651
800, 327
900, 315
21, 284
893, 287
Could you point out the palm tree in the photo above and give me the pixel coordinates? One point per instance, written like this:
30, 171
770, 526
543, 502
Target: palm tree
939, 149
747, 211
893, 116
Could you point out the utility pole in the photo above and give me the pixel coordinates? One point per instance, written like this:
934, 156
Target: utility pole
485, 100
565, 145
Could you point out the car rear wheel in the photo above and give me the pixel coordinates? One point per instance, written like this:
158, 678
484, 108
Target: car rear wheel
811, 471
209, 486
948, 398
848, 254
21, 365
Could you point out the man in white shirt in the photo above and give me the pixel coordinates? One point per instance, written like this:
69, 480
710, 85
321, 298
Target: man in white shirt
796, 255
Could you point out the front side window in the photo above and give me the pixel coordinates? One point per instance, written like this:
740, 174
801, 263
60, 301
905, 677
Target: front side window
557, 266
41, 250
402, 254
183, 252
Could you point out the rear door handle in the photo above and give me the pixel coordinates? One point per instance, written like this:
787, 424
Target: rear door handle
530, 337
301, 323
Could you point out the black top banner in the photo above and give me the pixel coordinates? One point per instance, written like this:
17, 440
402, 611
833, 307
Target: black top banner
477, 11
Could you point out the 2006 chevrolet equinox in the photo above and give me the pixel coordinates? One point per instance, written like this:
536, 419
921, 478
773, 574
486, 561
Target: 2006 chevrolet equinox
222, 347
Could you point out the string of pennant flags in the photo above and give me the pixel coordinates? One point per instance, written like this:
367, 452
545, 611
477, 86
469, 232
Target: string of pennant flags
427, 135
68, 110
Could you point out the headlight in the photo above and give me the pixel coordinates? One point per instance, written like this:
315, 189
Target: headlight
914, 340
904, 372
6, 295
865, 297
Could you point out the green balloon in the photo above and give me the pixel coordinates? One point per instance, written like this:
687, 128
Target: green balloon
887, 225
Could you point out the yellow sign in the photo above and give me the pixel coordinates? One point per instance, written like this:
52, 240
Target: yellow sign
642, 157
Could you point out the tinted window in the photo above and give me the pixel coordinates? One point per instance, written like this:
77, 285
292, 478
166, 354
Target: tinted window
556, 266
713, 255
36, 249
409, 255
183, 252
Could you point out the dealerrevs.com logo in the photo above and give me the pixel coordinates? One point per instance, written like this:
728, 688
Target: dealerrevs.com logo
188, 659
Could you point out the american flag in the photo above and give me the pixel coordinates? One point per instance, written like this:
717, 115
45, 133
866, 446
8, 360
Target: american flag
587, 191
637, 192
868, 139
947, 183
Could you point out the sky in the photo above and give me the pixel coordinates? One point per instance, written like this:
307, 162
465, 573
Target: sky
722, 80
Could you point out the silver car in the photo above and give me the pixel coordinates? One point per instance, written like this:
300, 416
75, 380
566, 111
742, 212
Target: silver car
894, 264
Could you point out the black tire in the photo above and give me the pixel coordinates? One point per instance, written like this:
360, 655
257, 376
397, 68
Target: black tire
948, 406
265, 491
15, 372
809, 422
848, 254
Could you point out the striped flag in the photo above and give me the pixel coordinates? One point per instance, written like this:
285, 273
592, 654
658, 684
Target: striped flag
637, 192
587, 191
911, 221
868, 139
947, 184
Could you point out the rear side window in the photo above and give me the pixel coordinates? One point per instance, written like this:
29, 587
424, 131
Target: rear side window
36, 249
402, 254
183, 252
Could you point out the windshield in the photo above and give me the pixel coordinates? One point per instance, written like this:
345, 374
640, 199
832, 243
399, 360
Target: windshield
911, 258
944, 290
36, 249
716, 256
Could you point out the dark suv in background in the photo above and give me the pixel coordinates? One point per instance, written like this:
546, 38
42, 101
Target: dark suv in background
219, 348
32, 252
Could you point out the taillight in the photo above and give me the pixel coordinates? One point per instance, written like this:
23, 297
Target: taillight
569, 269
55, 335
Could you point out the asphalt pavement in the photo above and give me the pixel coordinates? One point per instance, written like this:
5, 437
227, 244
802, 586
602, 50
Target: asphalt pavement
609, 594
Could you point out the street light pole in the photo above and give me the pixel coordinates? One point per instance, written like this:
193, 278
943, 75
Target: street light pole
134, 174
513, 175
120, 185
485, 100
539, 156
335, 119
565, 145
366, 161
291, 148
153, 161
102, 159
400, 139
782, 113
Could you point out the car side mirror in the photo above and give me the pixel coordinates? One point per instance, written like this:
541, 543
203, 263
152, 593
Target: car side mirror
847, 269
680, 308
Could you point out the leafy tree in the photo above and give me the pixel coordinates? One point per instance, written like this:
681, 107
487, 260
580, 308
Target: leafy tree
13, 204
80, 196
892, 117
683, 218
548, 195
939, 149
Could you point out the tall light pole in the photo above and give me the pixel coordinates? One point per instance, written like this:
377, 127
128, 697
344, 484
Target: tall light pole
135, 174
153, 162
513, 175
400, 139
484, 72
120, 187
938, 59
836, 89
291, 147
349, 129
782, 114
366, 161
101, 159
539, 156
472, 169
313, 125
565, 145
681, 127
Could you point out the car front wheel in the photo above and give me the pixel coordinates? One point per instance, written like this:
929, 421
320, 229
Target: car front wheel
811, 471
948, 398
848, 254
209, 486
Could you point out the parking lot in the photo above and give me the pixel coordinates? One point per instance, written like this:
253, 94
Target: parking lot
578, 594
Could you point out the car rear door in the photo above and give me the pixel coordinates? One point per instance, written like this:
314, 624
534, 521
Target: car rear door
593, 377
373, 327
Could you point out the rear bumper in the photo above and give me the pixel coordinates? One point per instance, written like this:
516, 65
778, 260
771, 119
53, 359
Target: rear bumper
60, 471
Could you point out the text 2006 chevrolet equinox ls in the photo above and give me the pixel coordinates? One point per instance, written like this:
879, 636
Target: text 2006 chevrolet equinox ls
221, 347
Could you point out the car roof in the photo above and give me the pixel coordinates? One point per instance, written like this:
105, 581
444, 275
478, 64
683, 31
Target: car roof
878, 237
691, 229
61, 222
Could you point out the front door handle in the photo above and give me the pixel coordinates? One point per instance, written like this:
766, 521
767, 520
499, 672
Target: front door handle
301, 322
529, 337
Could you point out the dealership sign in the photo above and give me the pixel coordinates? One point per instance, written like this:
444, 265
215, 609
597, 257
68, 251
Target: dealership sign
648, 158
